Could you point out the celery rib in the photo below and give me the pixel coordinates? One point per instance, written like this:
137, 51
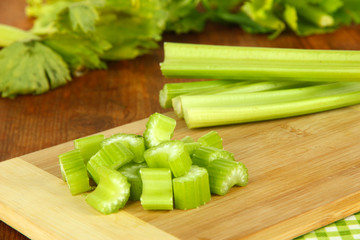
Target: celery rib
132, 172
88, 146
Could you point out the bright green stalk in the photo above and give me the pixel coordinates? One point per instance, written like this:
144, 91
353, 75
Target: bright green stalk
224, 174
170, 154
211, 139
171, 90
157, 191
132, 172
187, 139
192, 190
255, 63
191, 147
203, 156
111, 194
88, 146
11, 34
211, 116
113, 155
159, 128
74, 172
135, 143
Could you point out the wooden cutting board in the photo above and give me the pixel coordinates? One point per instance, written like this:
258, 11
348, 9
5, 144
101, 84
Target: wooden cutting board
304, 174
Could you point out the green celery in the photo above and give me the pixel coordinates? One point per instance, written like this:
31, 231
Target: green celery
157, 193
171, 90
204, 155
172, 155
113, 155
89, 145
111, 194
11, 34
211, 139
192, 190
73, 171
191, 147
132, 172
211, 116
224, 174
256, 63
135, 143
187, 139
159, 128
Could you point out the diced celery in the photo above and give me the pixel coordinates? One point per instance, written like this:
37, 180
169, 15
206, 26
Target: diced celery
133, 142
170, 154
203, 156
157, 191
224, 174
88, 146
159, 128
192, 190
211, 139
111, 194
74, 172
187, 139
113, 155
131, 172
192, 147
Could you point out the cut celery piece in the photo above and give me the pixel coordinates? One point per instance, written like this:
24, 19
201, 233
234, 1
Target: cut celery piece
170, 154
111, 194
256, 63
224, 174
171, 90
157, 191
131, 172
133, 142
187, 139
88, 146
204, 155
192, 190
159, 128
74, 172
191, 147
113, 155
211, 139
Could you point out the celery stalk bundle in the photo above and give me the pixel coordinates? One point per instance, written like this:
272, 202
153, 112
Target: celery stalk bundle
288, 82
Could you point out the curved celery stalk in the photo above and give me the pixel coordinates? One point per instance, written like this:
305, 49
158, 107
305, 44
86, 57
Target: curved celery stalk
113, 155
132, 172
111, 194
135, 143
254, 63
224, 174
88, 146
159, 128
211, 139
192, 190
73, 171
203, 156
172, 155
211, 116
157, 191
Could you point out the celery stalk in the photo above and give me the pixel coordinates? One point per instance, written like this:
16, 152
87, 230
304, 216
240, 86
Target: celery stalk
224, 174
171, 90
159, 128
157, 191
74, 172
89, 145
203, 156
132, 172
255, 63
211, 139
211, 116
187, 139
192, 190
113, 155
135, 143
111, 194
172, 155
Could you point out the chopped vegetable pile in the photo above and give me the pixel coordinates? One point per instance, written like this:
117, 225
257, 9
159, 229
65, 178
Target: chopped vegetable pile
71, 36
160, 172
266, 83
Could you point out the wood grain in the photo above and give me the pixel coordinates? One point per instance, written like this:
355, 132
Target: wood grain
304, 174
126, 92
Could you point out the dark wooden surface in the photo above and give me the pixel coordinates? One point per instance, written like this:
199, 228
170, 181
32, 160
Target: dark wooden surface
125, 92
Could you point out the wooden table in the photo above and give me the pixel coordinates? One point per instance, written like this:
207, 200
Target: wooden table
126, 92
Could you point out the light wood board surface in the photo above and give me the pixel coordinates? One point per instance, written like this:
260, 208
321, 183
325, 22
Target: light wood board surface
304, 174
